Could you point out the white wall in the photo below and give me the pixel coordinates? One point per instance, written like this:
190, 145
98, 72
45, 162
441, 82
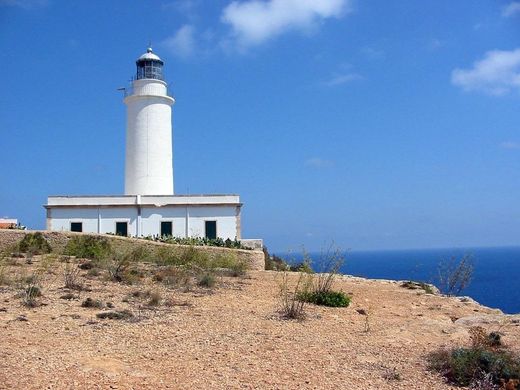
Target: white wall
151, 217
61, 219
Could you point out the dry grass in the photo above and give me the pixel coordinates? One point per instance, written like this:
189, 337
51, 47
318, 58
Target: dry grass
292, 307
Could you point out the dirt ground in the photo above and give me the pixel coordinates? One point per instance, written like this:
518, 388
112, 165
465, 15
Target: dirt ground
230, 336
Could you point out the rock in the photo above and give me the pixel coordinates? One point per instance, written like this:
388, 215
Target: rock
486, 319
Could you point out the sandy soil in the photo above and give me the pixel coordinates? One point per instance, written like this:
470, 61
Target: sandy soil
231, 337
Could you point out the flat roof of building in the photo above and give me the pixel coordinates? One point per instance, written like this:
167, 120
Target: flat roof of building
141, 200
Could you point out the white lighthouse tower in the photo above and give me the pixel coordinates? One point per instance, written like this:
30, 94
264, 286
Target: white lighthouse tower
149, 162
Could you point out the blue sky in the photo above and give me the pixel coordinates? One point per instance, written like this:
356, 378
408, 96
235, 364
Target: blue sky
376, 124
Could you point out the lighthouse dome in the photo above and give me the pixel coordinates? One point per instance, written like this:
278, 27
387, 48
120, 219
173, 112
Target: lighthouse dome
149, 55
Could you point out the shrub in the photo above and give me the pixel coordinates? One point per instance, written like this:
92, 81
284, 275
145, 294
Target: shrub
34, 244
329, 263
88, 247
326, 298
239, 268
483, 362
207, 279
166, 255
230, 263
174, 276
92, 303
119, 265
193, 257
454, 276
198, 241
30, 289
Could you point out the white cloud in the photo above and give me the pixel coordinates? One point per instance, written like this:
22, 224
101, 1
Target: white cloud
340, 79
497, 73
182, 43
26, 4
256, 21
510, 145
317, 162
512, 9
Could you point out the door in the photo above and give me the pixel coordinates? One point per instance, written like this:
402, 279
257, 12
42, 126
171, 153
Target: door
122, 228
211, 230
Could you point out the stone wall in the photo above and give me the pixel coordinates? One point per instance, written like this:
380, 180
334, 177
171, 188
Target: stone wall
58, 240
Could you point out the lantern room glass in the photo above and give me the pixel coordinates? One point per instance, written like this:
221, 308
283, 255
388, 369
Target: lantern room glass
150, 69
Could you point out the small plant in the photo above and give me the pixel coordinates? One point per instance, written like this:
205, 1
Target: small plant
330, 261
34, 244
482, 339
116, 315
291, 306
119, 266
92, 303
207, 279
392, 374
31, 289
411, 285
72, 278
326, 298
454, 276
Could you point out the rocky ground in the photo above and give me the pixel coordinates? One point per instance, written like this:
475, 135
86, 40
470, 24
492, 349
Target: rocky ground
229, 336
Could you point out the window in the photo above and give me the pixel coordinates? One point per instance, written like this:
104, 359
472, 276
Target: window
211, 229
122, 228
166, 228
76, 227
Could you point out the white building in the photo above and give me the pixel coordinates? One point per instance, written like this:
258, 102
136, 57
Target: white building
149, 206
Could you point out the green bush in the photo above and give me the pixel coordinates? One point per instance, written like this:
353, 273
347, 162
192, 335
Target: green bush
88, 247
34, 243
465, 366
326, 298
485, 361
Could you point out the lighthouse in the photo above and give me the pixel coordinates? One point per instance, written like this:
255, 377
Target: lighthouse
148, 206
149, 162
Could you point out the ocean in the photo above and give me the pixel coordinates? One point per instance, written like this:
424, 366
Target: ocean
496, 276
